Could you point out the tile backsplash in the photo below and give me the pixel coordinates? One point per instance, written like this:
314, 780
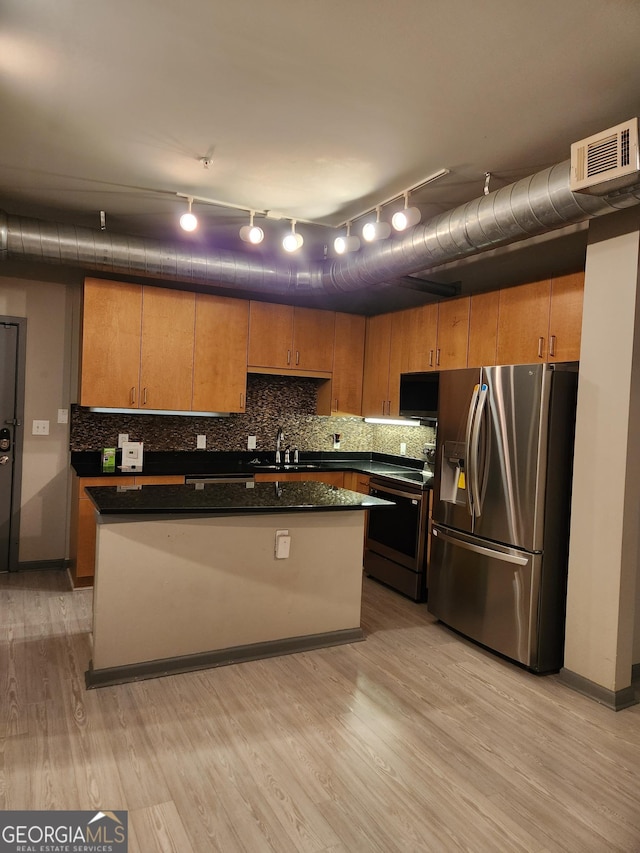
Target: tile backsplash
272, 401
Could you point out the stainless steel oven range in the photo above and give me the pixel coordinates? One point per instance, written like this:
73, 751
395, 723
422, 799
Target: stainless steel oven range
396, 543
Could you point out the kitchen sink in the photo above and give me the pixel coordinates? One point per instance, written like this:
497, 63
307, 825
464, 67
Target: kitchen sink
291, 467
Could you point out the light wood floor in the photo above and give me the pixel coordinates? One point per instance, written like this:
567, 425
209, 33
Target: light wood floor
413, 740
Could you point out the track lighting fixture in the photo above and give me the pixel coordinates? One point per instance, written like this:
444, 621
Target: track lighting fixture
293, 241
376, 230
403, 219
188, 220
251, 233
346, 243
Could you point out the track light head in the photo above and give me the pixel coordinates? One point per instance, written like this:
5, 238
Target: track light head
188, 220
376, 230
346, 243
293, 241
251, 233
407, 218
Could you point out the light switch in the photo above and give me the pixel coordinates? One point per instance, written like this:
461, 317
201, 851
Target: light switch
63, 416
40, 428
283, 544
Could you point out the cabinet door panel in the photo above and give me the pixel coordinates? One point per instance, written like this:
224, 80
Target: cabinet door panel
565, 319
348, 365
270, 335
377, 350
166, 376
453, 334
523, 323
220, 354
483, 329
313, 336
110, 344
421, 339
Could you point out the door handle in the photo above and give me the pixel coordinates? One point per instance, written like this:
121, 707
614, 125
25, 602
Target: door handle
480, 549
4, 460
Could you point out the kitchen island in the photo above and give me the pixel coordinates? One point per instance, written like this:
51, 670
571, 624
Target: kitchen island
194, 576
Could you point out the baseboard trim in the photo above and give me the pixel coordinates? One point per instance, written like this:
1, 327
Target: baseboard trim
206, 660
635, 674
43, 565
616, 700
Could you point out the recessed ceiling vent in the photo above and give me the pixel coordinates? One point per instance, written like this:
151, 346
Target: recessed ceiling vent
606, 161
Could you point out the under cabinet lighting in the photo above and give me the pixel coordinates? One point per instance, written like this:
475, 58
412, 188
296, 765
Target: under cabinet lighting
393, 421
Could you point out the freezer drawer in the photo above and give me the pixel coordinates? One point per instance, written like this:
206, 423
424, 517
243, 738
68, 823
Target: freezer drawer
489, 593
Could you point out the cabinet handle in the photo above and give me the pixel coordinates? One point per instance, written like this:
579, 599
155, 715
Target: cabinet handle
241, 400
297, 356
438, 356
144, 397
540, 345
336, 406
430, 358
552, 345
384, 405
133, 395
288, 356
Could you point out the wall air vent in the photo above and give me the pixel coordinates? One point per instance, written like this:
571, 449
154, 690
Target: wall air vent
606, 161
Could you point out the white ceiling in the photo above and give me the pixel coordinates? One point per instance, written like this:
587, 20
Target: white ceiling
316, 109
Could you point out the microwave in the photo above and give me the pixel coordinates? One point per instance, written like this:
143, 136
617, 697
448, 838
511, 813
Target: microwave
419, 395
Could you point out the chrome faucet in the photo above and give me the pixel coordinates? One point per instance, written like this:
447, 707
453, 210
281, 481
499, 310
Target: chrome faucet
279, 440
287, 454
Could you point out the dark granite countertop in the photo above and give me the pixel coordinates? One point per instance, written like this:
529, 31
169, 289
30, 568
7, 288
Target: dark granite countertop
228, 499
209, 463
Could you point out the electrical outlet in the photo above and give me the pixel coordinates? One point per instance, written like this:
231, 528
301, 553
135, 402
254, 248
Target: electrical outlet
403, 448
201, 442
251, 442
122, 437
63, 416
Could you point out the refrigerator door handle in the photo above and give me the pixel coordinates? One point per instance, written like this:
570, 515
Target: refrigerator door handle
480, 549
467, 444
474, 465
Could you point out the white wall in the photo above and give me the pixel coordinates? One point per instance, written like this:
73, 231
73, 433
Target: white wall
602, 616
51, 311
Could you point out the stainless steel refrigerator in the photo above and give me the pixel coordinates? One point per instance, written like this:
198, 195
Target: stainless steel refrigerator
500, 531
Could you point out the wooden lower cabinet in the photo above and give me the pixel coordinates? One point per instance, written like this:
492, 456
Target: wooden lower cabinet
356, 481
82, 545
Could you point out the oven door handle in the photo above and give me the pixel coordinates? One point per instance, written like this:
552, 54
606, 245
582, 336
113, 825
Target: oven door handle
412, 496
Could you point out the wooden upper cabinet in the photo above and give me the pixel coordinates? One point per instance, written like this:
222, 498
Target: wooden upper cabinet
383, 364
342, 394
110, 349
270, 335
420, 339
453, 333
375, 385
166, 362
541, 321
483, 329
565, 317
220, 354
313, 339
296, 340
523, 323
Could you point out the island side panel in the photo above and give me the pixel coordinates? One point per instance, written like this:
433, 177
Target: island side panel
169, 588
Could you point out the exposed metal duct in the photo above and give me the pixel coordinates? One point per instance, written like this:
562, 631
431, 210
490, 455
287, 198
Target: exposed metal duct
527, 208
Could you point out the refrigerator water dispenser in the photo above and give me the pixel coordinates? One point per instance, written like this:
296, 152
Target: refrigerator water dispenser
453, 486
